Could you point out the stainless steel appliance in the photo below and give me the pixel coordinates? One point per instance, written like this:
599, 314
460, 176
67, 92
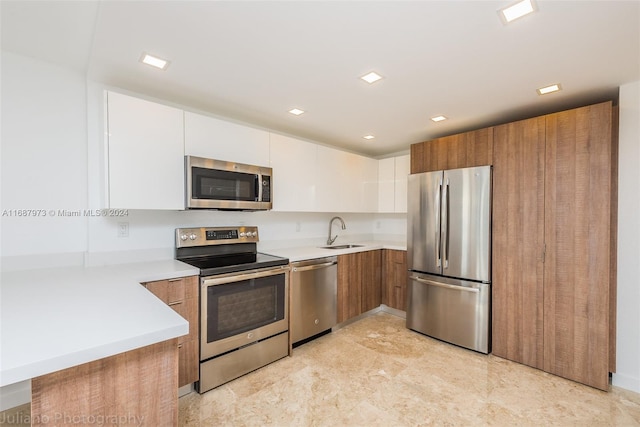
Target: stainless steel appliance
449, 256
314, 292
216, 184
244, 320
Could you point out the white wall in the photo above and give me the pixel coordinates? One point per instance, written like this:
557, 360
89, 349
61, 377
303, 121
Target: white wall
44, 151
628, 319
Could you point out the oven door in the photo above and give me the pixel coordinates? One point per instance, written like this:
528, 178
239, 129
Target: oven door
241, 308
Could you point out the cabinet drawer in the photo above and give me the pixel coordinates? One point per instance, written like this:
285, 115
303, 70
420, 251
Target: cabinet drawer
176, 291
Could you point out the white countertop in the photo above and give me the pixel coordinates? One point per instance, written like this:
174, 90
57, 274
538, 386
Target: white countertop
53, 319
299, 253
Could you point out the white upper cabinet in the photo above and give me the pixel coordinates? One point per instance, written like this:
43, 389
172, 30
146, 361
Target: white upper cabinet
402, 170
145, 154
294, 174
392, 184
212, 138
345, 182
386, 184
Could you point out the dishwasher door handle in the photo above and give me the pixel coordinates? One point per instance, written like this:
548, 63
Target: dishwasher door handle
315, 266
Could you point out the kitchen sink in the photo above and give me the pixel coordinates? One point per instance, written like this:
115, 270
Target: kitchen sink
341, 246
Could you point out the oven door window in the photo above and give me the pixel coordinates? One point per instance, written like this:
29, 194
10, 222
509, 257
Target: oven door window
216, 184
237, 307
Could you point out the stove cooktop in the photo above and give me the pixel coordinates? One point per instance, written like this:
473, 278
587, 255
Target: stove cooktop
213, 265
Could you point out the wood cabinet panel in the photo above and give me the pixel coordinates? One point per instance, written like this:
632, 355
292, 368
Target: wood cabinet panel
518, 241
188, 366
474, 148
417, 157
141, 383
349, 289
371, 279
182, 296
578, 183
394, 279
359, 283
554, 226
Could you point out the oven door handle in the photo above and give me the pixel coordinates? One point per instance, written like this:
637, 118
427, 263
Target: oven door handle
213, 280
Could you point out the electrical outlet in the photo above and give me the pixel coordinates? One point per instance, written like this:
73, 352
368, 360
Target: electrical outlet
123, 229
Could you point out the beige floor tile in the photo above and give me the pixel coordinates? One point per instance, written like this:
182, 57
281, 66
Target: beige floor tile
375, 372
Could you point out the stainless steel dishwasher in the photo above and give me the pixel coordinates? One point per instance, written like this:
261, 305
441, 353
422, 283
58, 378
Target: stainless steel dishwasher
314, 292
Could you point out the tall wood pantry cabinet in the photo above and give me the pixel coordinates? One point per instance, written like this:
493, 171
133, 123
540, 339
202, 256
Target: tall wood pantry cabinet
554, 248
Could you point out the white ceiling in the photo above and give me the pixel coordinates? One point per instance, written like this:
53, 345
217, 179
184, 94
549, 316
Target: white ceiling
254, 61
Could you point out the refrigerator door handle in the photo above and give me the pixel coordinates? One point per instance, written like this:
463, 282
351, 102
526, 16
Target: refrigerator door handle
444, 285
445, 224
437, 209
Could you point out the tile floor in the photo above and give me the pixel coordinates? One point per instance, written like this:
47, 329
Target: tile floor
375, 372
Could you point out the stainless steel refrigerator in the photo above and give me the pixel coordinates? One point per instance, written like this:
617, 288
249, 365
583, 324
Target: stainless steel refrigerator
449, 256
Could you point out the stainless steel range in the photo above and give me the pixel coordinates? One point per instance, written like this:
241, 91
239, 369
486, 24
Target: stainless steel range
244, 319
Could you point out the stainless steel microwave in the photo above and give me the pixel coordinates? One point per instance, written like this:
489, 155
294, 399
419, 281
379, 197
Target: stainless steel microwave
217, 184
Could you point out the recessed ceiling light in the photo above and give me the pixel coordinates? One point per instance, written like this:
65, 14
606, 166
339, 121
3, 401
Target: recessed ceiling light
438, 118
368, 137
371, 77
517, 10
549, 89
296, 111
154, 61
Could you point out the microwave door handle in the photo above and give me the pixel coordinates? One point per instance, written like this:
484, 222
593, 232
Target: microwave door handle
259, 187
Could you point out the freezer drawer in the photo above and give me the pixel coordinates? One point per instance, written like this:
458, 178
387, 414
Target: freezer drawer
314, 290
451, 310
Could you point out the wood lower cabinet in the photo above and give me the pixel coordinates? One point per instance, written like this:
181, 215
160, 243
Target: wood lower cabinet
182, 296
359, 281
394, 279
137, 387
474, 148
554, 210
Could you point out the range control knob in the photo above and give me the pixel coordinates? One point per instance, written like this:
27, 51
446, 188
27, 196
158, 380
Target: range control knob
254, 234
242, 234
193, 236
183, 237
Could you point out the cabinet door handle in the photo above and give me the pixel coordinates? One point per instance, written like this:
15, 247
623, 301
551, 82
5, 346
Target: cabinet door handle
176, 279
175, 303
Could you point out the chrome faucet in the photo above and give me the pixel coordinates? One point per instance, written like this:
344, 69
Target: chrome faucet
330, 240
